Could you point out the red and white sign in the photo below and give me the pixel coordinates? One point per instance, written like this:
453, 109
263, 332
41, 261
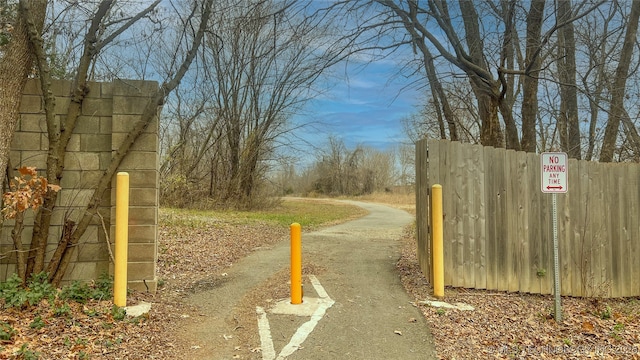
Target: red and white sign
554, 172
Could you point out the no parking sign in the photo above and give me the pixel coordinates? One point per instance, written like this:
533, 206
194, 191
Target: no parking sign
554, 172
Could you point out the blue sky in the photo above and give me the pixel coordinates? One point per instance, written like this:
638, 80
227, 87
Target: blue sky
364, 106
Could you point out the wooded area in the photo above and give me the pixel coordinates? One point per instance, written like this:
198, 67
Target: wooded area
498, 223
530, 76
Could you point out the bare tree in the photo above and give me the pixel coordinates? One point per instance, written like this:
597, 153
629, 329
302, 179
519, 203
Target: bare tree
532, 71
264, 61
601, 37
618, 91
568, 119
101, 32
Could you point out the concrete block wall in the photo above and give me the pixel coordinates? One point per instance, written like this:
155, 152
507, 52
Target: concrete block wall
108, 113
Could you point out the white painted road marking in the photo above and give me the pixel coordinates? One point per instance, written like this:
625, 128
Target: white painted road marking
268, 351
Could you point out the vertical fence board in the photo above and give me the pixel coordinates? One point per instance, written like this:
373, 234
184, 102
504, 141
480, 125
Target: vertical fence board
614, 233
597, 229
457, 243
585, 240
564, 225
523, 269
577, 223
491, 208
467, 173
625, 239
610, 216
634, 210
422, 208
510, 220
599, 214
499, 158
538, 271
447, 210
479, 216
618, 235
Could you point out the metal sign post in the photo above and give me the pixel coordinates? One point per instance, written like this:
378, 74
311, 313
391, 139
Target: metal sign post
557, 307
554, 173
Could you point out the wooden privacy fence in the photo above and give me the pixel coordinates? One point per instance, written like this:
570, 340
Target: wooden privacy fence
498, 224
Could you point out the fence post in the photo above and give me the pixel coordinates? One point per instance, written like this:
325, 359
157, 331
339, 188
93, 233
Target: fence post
437, 241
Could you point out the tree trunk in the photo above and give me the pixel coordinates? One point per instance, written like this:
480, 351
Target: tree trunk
487, 91
507, 60
14, 70
568, 88
490, 133
60, 132
530, 80
618, 91
16, 235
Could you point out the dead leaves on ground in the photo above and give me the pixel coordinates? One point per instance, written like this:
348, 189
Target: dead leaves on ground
514, 326
80, 331
187, 257
503, 326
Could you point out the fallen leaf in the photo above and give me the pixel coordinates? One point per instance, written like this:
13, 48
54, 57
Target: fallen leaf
588, 327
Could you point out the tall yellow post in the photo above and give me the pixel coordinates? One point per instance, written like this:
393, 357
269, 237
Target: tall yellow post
122, 240
296, 264
437, 241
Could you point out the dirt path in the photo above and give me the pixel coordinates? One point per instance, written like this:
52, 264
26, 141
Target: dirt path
372, 317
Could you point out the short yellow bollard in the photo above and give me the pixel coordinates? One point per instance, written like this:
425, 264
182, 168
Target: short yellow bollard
122, 240
437, 241
296, 264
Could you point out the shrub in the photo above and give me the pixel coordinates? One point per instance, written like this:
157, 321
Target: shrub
6, 331
16, 295
81, 292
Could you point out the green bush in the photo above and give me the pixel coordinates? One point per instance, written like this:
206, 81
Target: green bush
12, 292
16, 295
62, 310
118, 312
76, 291
81, 292
6, 331
26, 354
37, 323
38, 288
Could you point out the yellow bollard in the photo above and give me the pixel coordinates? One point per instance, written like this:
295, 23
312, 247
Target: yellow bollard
296, 264
437, 241
122, 240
